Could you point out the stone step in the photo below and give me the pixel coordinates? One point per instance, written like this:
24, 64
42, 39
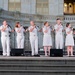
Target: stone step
38, 60
35, 67
39, 71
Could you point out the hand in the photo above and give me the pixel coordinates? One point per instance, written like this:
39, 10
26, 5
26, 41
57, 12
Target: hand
34, 26
12, 30
46, 31
58, 28
5, 26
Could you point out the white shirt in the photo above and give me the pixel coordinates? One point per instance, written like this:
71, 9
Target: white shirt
21, 33
67, 30
47, 28
6, 32
60, 29
34, 32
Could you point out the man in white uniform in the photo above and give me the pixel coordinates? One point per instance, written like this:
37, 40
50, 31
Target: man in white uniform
58, 34
33, 38
5, 38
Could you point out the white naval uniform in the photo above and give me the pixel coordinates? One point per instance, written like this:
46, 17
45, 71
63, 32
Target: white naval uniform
58, 36
34, 40
20, 37
5, 40
69, 38
47, 39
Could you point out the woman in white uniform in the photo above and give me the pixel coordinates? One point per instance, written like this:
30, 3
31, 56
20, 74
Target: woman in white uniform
69, 39
47, 39
58, 34
5, 38
33, 29
20, 35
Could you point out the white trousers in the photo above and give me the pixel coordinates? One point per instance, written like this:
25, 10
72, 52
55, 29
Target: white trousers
59, 41
20, 41
34, 44
5, 45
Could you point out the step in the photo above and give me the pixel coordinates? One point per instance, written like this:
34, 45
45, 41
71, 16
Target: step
38, 60
37, 71
35, 67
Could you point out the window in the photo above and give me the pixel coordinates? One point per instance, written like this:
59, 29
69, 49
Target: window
14, 5
42, 7
69, 6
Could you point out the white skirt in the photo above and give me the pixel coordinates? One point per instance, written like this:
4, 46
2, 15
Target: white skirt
69, 40
47, 40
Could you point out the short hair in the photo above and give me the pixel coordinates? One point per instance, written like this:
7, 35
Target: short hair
58, 19
45, 22
67, 24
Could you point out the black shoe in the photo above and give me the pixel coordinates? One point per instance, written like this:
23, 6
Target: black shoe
37, 55
32, 56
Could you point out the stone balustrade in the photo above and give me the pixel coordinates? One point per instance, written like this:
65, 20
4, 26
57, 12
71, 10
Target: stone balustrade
28, 17
69, 18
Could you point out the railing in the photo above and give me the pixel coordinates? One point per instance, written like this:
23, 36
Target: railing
69, 18
28, 17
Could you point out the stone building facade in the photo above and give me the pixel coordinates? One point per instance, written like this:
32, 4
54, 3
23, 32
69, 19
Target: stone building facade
39, 11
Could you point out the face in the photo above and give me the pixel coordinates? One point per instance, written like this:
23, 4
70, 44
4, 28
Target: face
32, 23
19, 25
58, 22
69, 26
47, 24
4, 23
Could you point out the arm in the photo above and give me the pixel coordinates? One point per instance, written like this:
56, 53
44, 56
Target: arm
18, 30
31, 29
40, 30
69, 31
57, 29
3, 28
12, 30
45, 30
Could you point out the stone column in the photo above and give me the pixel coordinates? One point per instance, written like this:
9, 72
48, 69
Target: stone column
5, 4
1, 4
32, 6
25, 6
56, 7
28, 6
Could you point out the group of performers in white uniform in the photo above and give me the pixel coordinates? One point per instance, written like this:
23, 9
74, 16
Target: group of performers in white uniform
33, 30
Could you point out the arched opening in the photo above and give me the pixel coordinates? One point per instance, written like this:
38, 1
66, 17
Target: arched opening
69, 6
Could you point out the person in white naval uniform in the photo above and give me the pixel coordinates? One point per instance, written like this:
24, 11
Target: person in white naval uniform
69, 42
58, 34
33, 29
5, 38
20, 35
47, 39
